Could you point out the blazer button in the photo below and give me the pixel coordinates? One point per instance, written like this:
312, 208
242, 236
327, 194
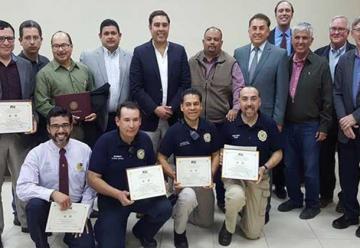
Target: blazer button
160, 90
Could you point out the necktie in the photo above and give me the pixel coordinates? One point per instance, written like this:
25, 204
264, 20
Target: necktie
283, 41
253, 64
63, 173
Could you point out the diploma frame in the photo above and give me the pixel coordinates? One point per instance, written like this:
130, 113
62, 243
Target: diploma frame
146, 182
16, 116
240, 164
71, 220
188, 169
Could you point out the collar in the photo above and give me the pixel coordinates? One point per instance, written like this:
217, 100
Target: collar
258, 124
166, 49
278, 32
111, 54
57, 65
340, 50
261, 47
357, 54
201, 126
121, 143
55, 148
22, 54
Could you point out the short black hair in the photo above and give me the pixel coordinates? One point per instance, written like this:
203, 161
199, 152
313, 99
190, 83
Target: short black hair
29, 24
59, 111
190, 91
129, 105
57, 32
284, 1
4, 24
261, 17
215, 28
158, 13
109, 22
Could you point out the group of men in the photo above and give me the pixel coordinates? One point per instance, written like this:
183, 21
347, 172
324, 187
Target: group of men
292, 105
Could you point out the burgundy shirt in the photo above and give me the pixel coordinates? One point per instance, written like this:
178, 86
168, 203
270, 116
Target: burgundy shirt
10, 81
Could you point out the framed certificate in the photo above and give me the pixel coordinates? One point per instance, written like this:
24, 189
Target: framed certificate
146, 182
79, 104
239, 164
16, 116
193, 171
71, 220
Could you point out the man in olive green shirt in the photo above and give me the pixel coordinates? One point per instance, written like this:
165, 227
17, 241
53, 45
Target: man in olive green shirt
62, 76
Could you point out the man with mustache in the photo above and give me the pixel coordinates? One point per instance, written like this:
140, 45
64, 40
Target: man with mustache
56, 171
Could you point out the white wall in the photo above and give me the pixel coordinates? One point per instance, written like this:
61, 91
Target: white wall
189, 19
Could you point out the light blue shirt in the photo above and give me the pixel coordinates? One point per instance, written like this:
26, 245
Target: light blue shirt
39, 175
278, 38
334, 56
252, 53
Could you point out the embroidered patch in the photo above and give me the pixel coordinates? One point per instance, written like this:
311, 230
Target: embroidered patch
140, 154
262, 135
80, 167
207, 137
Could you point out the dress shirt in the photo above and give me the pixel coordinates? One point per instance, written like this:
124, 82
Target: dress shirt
36, 65
356, 77
162, 61
252, 53
334, 55
39, 175
298, 65
112, 65
278, 38
10, 81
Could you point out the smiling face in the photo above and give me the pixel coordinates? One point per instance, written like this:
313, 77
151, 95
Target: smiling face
301, 41
249, 102
338, 32
110, 38
191, 107
7, 43
128, 123
59, 130
159, 29
284, 14
258, 32
61, 48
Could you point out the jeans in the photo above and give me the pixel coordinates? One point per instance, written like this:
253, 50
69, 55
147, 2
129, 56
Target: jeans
301, 148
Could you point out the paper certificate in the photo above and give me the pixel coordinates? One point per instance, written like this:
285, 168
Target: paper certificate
146, 182
193, 171
16, 116
71, 220
239, 164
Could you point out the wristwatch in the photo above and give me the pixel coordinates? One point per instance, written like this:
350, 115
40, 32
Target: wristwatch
266, 168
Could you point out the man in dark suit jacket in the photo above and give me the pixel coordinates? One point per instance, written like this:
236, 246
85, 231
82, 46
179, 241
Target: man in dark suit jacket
280, 36
159, 72
347, 105
338, 34
16, 83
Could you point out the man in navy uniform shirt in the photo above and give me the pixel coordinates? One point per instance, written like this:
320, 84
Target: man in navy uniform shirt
113, 153
251, 129
191, 136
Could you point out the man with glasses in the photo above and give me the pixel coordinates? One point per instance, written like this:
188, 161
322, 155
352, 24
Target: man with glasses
338, 33
62, 76
347, 106
16, 83
56, 171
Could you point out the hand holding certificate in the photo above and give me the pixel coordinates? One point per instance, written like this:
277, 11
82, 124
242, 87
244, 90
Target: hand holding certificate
193, 171
71, 220
146, 182
240, 164
16, 116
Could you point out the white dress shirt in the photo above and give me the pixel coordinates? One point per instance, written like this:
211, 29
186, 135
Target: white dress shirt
162, 61
39, 174
112, 65
252, 53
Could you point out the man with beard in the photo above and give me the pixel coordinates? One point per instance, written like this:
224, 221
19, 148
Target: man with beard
251, 128
56, 171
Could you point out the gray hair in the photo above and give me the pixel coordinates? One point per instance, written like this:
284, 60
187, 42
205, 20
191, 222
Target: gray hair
355, 22
303, 26
341, 17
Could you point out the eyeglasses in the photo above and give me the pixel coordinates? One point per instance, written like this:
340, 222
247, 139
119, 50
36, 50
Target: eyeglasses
30, 38
10, 39
58, 126
356, 29
339, 30
62, 46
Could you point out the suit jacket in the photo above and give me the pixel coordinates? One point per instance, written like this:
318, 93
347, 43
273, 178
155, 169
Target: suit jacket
324, 51
271, 78
96, 63
271, 39
343, 91
145, 81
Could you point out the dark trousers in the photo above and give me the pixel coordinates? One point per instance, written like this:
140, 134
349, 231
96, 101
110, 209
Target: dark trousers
219, 185
110, 227
327, 164
278, 175
37, 211
349, 174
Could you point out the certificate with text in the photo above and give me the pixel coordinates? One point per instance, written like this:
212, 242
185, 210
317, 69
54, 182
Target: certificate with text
193, 171
146, 182
71, 220
239, 164
16, 116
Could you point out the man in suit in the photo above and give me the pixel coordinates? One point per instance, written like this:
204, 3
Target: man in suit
338, 33
280, 36
109, 64
347, 106
265, 67
307, 121
159, 73
16, 83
